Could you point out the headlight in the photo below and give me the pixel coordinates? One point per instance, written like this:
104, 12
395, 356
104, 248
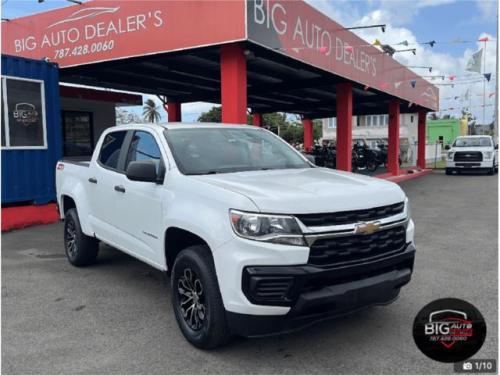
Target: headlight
267, 228
488, 154
408, 208
450, 155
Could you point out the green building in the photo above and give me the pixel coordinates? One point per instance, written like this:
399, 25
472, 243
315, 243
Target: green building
444, 131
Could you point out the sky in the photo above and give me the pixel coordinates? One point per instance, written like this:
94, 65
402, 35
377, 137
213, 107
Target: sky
416, 21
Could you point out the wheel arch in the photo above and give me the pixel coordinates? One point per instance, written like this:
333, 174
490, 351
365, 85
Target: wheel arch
176, 240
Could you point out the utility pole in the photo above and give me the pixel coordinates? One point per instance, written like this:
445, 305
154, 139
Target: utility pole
495, 124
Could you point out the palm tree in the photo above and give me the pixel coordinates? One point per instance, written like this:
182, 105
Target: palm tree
150, 111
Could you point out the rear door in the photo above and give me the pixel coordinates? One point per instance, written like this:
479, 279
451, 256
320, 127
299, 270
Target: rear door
138, 207
107, 171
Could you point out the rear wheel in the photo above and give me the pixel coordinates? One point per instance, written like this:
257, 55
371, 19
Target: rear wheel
372, 165
196, 299
448, 171
81, 250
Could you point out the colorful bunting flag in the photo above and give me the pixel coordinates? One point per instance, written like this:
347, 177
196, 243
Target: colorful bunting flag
474, 64
487, 76
323, 49
491, 94
484, 39
452, 77
377, 42
397, 84
349, 48
366, 87
413, 83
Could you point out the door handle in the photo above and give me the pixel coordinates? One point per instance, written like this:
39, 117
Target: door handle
120, 188
93, 180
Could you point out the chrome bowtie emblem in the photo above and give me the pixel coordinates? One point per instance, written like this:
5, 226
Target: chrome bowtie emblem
367, 228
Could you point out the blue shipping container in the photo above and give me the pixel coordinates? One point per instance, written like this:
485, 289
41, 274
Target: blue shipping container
28, 175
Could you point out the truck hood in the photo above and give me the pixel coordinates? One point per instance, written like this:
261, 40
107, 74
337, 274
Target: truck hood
311, 190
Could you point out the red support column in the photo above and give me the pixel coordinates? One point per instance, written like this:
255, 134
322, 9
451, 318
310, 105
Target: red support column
174, 112
344, 126
308, 134
393, 147
257, 119
421, 139
233, 69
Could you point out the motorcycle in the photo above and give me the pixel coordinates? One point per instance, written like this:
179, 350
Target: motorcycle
324, 156
364, 158
383, 155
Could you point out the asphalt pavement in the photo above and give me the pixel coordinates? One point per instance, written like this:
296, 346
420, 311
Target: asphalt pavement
115, 317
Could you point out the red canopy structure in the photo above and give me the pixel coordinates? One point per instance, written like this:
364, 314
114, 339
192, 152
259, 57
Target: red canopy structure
266, 55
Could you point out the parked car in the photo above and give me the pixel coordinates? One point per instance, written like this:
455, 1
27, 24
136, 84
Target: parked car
256, 239
472, 153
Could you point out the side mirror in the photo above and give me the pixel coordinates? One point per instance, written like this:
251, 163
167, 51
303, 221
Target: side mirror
496, 147
142, 171
447, 147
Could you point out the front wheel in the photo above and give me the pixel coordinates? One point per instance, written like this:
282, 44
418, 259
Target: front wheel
196, 299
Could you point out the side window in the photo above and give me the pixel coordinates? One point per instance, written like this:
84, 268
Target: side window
144, 147
110, 150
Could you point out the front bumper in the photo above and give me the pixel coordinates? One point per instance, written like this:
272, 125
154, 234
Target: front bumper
318, 293
463, 165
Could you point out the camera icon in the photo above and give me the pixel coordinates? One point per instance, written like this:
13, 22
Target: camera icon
467, 366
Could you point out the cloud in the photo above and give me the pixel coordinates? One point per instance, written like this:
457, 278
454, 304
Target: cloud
487, 8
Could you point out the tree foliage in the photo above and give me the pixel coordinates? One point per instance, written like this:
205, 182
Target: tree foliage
151, 112
287, 127
124, 116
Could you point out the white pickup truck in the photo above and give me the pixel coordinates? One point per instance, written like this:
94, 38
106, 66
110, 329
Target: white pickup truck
256, 239
472, 153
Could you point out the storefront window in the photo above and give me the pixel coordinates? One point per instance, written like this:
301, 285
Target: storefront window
78, 135
23, 120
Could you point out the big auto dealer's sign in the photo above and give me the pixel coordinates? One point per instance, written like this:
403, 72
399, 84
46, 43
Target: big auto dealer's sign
300, 31
106, 30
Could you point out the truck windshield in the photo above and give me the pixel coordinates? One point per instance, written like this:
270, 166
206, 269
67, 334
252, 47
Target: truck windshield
226, 150
472, 142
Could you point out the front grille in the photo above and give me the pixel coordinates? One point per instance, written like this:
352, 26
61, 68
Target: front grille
468, 156
357, 247
350, 217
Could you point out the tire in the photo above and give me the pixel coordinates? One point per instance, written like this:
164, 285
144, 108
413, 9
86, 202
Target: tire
491, 171
81, 250
372, 165
204, 325
448, 171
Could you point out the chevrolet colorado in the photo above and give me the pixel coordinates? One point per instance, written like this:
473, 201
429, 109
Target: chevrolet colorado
472, 152
257, 240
